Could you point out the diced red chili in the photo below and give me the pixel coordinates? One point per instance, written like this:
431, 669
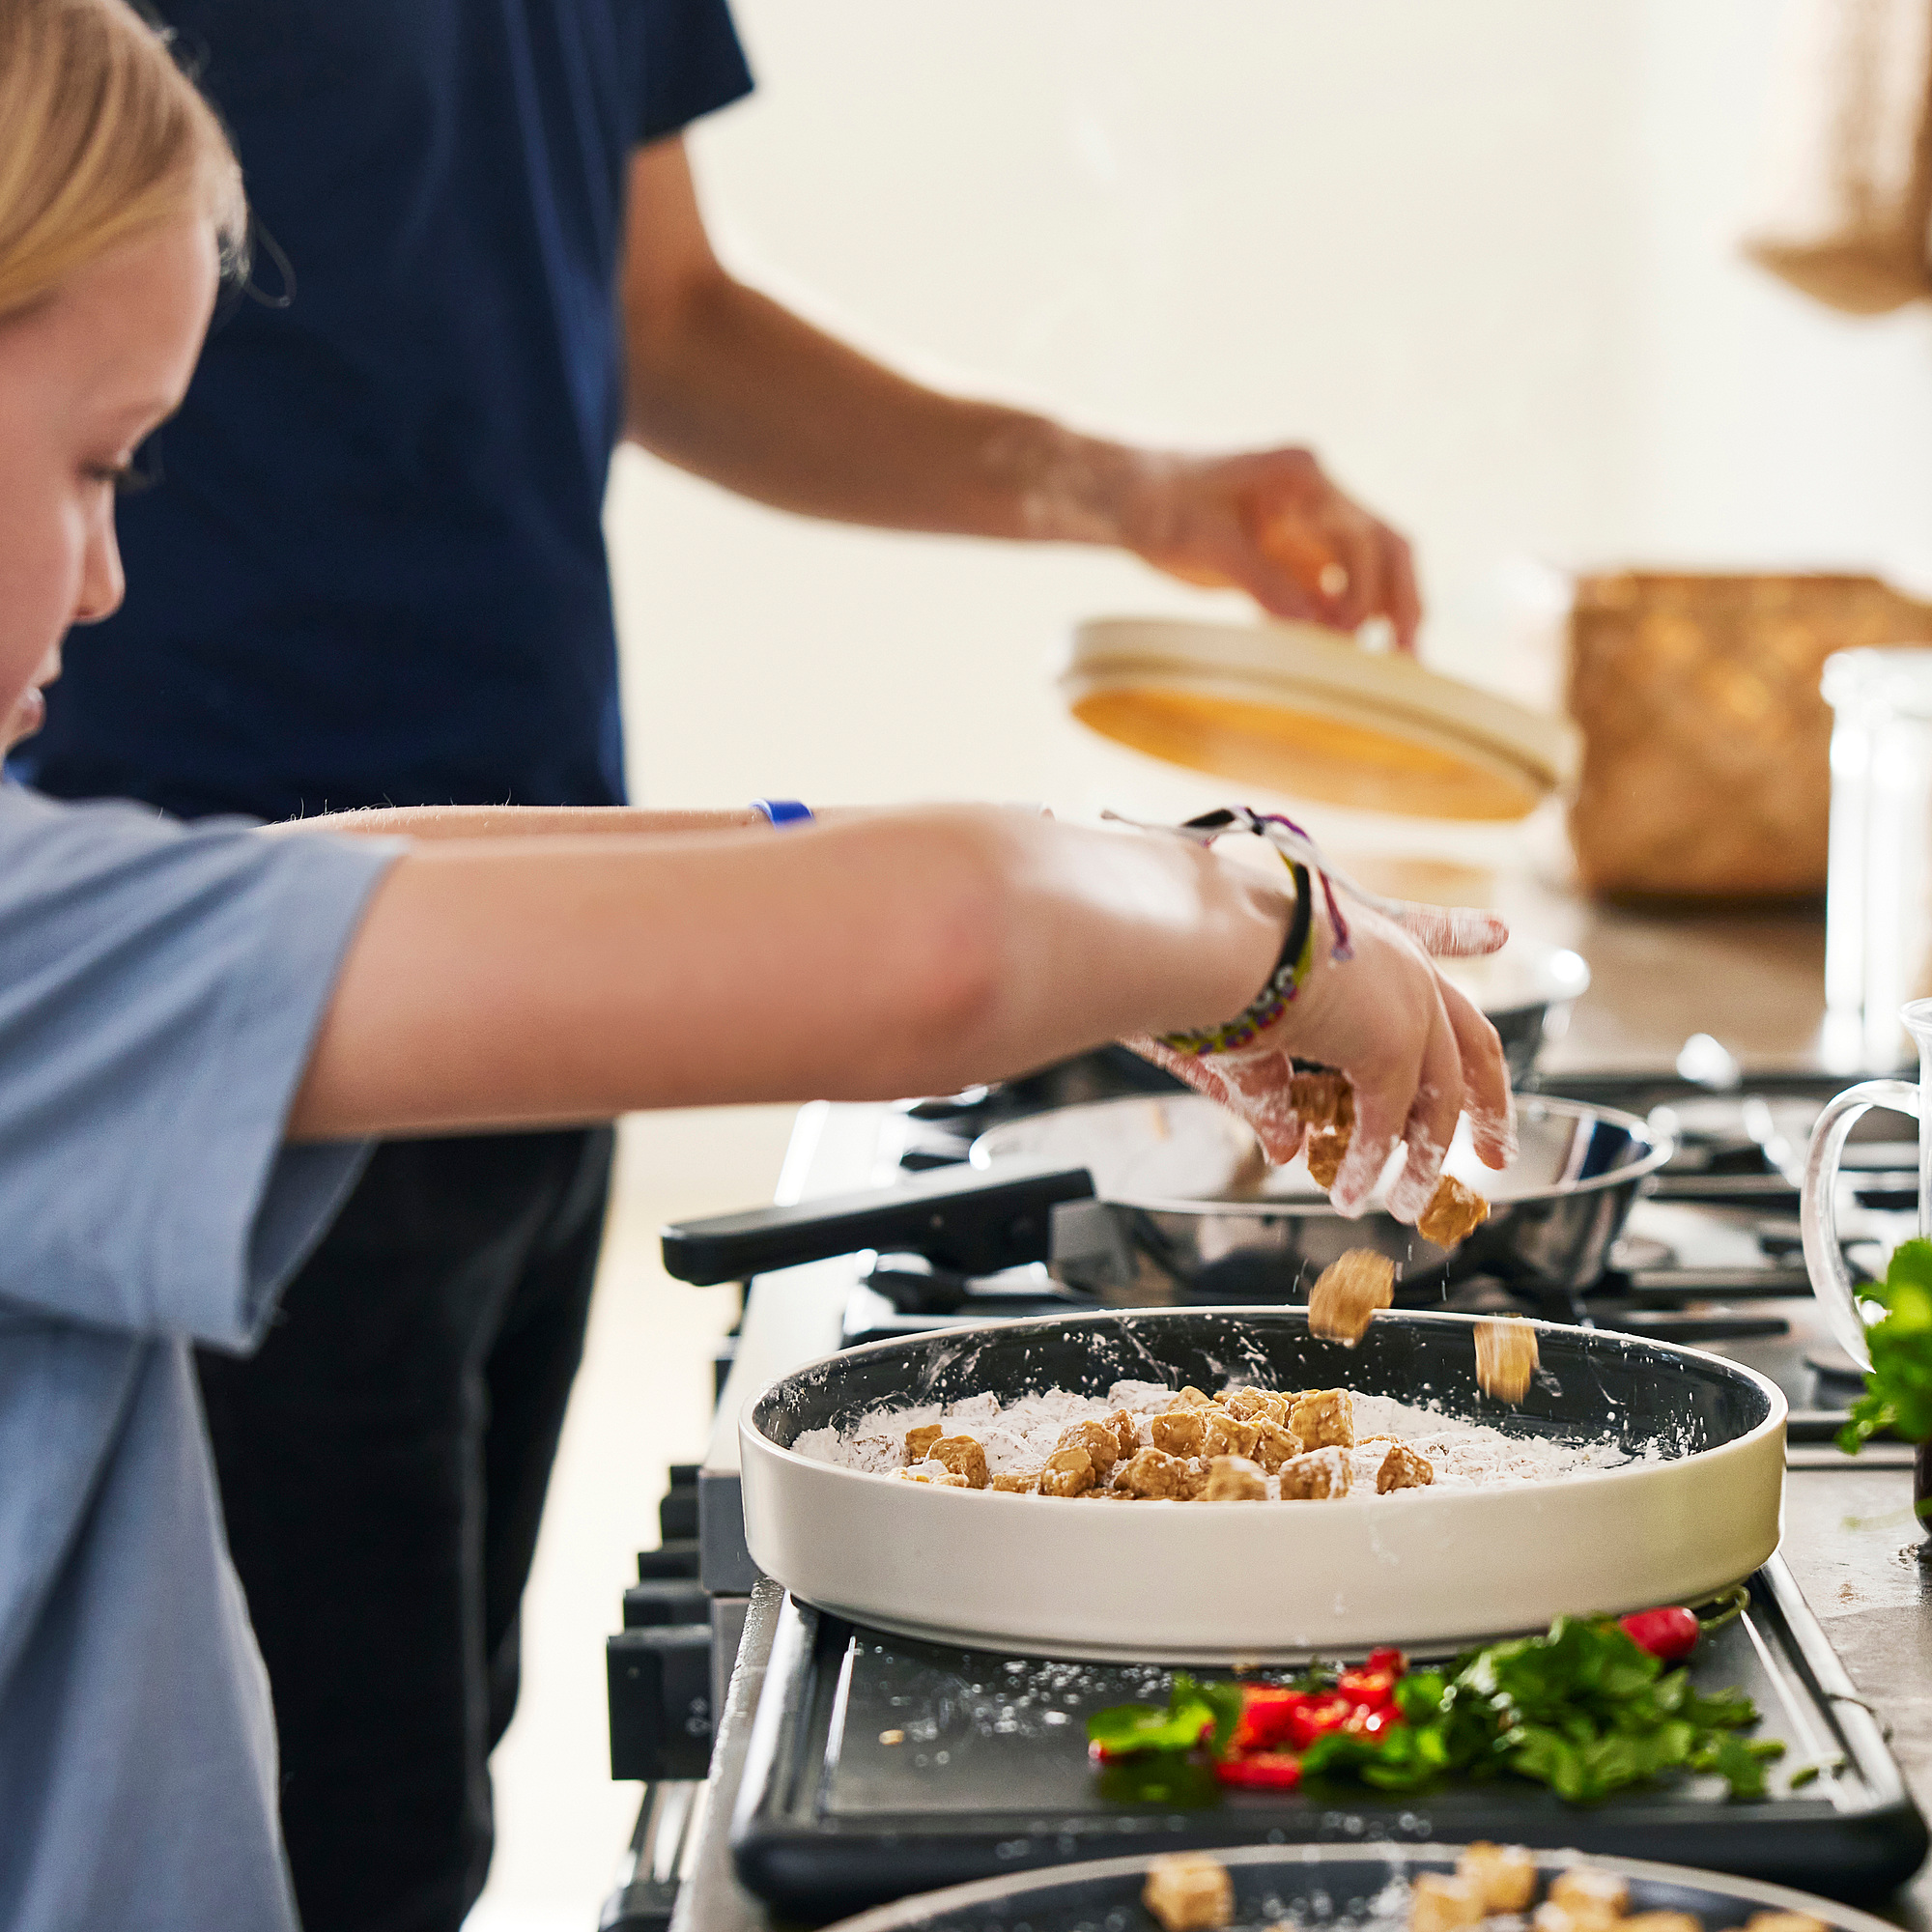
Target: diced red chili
1372, 1721
1261, 1771
1267, 1713
1392, 1660
1318, 1717
1373, 1688
1669, 1634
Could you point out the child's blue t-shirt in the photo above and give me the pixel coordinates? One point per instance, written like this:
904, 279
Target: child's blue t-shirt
161, 988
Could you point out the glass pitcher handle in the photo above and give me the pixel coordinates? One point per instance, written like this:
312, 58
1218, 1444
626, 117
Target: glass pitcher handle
1817, 1207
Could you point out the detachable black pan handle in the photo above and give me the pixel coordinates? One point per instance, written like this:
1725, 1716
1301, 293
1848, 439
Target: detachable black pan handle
971, 1220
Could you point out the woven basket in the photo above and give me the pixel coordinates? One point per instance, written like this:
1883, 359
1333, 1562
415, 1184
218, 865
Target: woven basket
1706, 745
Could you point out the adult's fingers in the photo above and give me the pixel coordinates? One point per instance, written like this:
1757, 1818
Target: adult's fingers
1432, 1121
1382, 1111
1259, 1084
1404, 600
1353, 537
1454, 933
1486, 1084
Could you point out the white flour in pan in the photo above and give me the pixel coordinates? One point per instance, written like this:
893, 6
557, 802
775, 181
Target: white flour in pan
1021, 1435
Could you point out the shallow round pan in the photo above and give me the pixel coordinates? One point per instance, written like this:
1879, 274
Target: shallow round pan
1228, 1582
1338, 1884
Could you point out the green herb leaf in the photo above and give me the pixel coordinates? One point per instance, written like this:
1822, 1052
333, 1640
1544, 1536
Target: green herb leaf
1146, 1727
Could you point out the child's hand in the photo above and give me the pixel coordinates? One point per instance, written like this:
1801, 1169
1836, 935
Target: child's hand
1415, 1050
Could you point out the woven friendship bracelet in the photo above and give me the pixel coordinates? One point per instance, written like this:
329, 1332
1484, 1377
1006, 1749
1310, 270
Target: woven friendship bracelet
1291, 968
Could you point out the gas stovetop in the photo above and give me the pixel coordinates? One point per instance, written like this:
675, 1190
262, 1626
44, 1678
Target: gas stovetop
1710, 1257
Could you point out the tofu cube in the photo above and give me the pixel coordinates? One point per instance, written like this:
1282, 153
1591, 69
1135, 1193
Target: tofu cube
1180, 1432
1068, 1472
1776, 1922
1100, 1441
1504, 1876
1439, 1903
1322, 1099
1126, 1431
1407, 1468
1228, 1434
1274, 1445
1591, 1897
1324, 1419
1454, 1213
1347, 1293
1505, 1357
1154, 1475
963, 1456
1324, 1151
1188, 1891
1320, 1476
919, 1441
1232, 1480
930, 1472
1017, 1481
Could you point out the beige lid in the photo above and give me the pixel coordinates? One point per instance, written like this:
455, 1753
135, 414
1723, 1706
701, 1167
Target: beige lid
1301, 710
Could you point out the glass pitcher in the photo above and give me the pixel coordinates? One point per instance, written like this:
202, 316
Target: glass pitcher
1824, 1259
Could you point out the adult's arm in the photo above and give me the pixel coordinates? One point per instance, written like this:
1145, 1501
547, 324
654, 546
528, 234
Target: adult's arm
728, 384
520, 822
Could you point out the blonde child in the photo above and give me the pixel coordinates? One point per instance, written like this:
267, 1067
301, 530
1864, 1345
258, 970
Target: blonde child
199, 1027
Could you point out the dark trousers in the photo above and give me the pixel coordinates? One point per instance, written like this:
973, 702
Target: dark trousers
382, 1460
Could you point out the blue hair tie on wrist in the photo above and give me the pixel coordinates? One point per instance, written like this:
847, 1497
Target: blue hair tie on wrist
783, 811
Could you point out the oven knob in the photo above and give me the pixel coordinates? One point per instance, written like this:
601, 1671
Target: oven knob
660, 1687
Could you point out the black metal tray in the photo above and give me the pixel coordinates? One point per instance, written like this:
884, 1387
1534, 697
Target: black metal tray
989, 1774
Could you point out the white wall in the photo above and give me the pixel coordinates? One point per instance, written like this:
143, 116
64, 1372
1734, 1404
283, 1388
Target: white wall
1481, 254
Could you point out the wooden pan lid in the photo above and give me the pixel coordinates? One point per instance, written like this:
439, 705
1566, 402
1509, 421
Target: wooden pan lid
1301, 710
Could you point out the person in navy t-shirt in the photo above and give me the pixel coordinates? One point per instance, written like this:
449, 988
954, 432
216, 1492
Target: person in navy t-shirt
376, 575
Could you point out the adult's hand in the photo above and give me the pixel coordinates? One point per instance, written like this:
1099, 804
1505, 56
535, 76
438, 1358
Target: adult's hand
1416, 1051
1273, 524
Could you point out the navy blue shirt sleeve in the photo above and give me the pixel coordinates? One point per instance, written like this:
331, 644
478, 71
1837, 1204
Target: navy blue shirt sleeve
694, 64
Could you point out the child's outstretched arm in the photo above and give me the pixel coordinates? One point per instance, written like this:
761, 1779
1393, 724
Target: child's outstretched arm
510, 982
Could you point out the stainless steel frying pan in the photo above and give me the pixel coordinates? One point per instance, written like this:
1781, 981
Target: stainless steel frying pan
1186, 1210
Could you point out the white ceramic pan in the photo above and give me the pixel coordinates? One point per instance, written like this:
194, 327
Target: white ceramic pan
1229, 1583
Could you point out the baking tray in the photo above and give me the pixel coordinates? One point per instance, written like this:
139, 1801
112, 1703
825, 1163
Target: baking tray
992, 1774
1311, 1886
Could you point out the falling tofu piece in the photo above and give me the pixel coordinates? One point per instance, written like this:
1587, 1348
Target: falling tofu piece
1231, 1479
1407, 1468
1188, 1891
1454, 1213
1504, 1875
1505, 1363
1323, 1101
1441, 1903
1347, 1293
919, 1441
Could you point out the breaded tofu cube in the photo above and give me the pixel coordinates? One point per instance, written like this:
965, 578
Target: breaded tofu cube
1347, 1293
1274, 1445
1322, 1099
1318, 1476
1068, 1472
1441, 1903
1324, 1419
1454, 1213
1770, 1921
1152, 1473
919, 1441
1325, 1151
1590, 1896
963, 1456
1126, 1430
1674, 1921
1193, 1398
1407, 1468
1098, 1439
928, 1472
1251, 1404
1180, 1432
1228, 1436
1504, 1875
1017, 1481
1505, 1357
1232, 1480
1188, 1891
